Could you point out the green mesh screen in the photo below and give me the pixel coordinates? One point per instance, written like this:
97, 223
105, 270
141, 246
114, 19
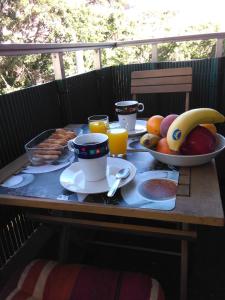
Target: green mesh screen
24, 114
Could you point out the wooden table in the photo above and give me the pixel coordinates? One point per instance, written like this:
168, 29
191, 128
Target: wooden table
198, 203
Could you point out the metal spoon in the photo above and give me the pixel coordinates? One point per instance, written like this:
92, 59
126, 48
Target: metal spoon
122, 174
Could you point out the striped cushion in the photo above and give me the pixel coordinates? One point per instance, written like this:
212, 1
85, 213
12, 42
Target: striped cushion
48, 280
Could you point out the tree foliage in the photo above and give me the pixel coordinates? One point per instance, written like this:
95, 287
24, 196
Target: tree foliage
58, 21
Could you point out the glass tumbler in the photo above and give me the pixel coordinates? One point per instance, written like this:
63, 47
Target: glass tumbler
118, 138
98, 123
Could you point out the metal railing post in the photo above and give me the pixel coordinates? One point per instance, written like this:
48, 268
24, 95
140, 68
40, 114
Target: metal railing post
80, 62
154, 52
98, 59
58, 66
219, 48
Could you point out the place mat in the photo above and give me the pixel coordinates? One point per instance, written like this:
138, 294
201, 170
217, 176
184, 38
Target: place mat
153, 190
47, 185
40, 185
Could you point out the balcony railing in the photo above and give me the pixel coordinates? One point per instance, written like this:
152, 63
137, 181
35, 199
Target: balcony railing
57, 50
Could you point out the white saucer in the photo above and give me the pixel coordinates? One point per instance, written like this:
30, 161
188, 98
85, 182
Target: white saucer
17, 181
14, 180
73, 178
140, 128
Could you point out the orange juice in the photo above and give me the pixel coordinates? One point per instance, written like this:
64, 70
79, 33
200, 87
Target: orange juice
117, 141
98, 126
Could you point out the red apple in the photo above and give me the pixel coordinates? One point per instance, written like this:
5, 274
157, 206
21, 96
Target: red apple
199, 141
165, 124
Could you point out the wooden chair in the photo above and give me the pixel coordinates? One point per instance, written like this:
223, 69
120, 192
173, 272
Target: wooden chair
162, 81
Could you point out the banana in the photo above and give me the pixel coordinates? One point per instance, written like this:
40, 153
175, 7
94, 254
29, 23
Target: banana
185, 122
149, 140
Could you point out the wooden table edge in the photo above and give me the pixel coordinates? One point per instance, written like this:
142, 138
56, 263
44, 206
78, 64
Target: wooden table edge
107, 209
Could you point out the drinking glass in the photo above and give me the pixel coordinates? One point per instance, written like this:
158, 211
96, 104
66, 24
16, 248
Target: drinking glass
98, 123
118, 138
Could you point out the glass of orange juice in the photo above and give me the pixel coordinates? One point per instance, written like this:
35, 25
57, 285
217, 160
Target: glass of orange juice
98, 123
118, 138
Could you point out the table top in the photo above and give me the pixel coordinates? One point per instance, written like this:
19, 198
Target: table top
198, 198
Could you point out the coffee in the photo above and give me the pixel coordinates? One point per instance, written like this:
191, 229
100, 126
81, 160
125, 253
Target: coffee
91, 143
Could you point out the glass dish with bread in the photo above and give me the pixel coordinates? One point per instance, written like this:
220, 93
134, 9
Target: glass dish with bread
50, 147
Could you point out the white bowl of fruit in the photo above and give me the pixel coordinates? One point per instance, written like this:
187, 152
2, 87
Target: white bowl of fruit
189, 139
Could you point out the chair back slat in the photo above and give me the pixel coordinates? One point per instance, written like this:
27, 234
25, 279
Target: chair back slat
162, 72
162, 81
144, 89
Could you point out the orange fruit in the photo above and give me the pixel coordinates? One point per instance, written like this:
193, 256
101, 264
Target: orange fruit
210, 127
163, 147
153, 124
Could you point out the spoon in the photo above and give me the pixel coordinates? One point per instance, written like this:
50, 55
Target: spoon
122, 174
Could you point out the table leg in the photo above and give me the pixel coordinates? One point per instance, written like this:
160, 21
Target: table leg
184, 267
63, 243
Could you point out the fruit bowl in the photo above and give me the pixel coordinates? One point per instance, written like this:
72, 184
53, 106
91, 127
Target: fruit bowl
189, 160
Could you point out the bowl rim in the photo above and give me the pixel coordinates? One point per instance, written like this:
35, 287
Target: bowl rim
221, 137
